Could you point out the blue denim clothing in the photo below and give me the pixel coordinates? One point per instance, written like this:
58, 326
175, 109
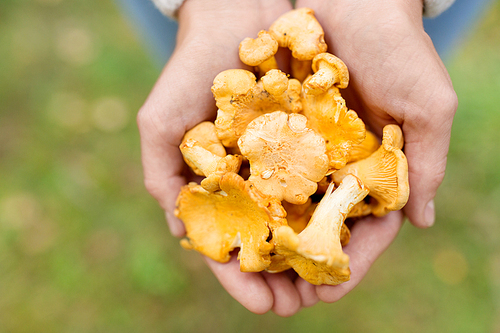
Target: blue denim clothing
447, 31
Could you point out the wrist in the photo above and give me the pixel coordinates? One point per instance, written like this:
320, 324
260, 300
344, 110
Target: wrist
218, 19
342, 14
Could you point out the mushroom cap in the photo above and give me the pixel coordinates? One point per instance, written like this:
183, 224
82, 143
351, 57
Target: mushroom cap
340, 127
316, 252
205, 163
237, 216
228, 163
202, 161
204, 133
241, 99
275, 82
299, 31
385, 173
230, 84
286, 92
328, 71
253, 52
361, 209
278, 264
360, 151
287, 159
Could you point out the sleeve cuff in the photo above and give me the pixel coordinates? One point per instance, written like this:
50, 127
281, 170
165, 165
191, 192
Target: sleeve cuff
433, 8
168, 7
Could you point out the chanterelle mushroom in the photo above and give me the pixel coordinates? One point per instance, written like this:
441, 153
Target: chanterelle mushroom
241, 99
298, 216
300, 32
385, 173
328, 71
316, 253
204, 133
287, 158
208, 164
364, 149
300, 69
259, 52
286, 92
340, 127
237, 216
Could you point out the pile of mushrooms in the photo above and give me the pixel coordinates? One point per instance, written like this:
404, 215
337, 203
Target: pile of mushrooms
286, 162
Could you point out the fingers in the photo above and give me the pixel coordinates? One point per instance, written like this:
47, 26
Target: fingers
258, 292
287, 300
369, 239
307, 292
427, 138
168, 112
162, 162
250, 289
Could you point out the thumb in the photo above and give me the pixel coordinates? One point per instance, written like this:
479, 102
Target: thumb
427, 137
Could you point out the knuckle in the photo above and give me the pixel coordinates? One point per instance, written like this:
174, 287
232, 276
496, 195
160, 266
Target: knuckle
143, 118
438, 111
449, 100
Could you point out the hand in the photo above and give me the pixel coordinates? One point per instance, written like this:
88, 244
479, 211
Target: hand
208, 39
396, 77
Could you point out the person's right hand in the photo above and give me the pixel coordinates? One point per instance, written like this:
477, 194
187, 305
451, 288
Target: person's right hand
207, 43
396, 77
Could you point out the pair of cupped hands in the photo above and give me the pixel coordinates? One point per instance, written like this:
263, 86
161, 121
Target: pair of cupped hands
396, 77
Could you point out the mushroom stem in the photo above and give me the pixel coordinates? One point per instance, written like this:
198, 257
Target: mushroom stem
267, 65
316, 253
320, 240
286, 92
329, 71
300, 69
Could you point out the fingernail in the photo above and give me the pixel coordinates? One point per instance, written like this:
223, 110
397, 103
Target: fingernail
430, 214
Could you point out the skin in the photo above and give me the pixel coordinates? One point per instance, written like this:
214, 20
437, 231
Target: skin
396, 77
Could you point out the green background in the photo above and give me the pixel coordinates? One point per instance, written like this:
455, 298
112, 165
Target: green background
84, 248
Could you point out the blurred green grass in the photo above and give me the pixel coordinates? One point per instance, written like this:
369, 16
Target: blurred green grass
83, 248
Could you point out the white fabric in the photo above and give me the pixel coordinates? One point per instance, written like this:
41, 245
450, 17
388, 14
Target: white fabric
169, 7
433, 8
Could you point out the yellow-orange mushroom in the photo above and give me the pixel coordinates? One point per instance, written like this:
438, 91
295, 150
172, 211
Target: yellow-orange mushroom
340, 127
385, 173
287, 158
259, 52
240, 99
237, 216
299, 31
316, 253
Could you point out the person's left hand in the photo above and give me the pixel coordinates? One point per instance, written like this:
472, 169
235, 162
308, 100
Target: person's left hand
207, 43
